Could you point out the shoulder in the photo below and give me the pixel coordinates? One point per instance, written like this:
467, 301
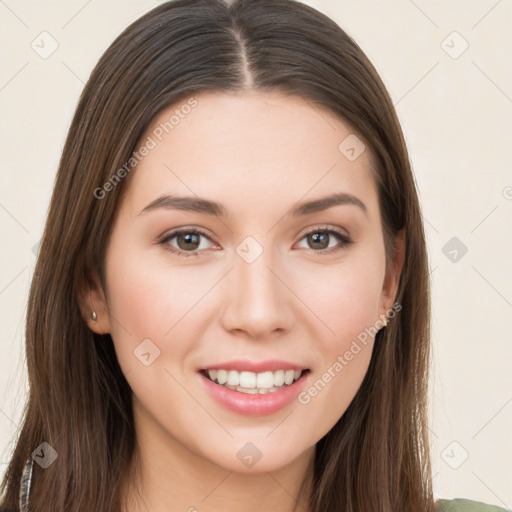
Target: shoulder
462, 505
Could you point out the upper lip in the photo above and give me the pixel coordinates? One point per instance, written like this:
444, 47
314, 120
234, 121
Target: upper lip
242, 365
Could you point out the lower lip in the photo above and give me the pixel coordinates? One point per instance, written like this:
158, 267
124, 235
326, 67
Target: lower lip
254, 405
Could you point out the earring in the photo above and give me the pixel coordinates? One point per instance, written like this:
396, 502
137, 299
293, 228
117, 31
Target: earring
385, 321
93, 317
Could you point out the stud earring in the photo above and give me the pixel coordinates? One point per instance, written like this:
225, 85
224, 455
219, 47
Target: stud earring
93, 317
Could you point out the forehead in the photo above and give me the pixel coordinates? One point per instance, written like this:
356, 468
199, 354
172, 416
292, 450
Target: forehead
237, 147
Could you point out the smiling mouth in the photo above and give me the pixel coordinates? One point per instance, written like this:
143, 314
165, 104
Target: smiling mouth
254, 383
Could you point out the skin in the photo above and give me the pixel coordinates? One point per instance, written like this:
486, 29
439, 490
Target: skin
258, 154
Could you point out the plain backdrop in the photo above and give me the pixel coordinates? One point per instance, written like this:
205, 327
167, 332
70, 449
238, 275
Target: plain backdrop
447, 66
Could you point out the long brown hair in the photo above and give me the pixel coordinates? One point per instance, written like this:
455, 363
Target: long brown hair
376, 457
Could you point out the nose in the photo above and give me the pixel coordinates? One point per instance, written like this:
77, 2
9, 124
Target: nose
257, 300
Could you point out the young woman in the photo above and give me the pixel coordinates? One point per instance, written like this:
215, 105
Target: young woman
230, 308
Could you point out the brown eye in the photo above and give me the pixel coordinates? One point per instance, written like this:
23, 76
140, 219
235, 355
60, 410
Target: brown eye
319, 240
188, 241
323, 241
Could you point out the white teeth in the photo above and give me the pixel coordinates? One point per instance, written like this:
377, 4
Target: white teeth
248, 380
266, 380
250, 391
222, 375
254, 383
288, 377
233, 378
279, 378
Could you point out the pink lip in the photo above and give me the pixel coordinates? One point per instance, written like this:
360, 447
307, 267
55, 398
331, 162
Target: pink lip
240, 365
254, 405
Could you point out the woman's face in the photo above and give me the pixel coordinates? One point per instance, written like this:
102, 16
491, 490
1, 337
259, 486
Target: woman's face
262, 280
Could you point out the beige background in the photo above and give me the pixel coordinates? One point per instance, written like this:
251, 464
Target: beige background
455, 104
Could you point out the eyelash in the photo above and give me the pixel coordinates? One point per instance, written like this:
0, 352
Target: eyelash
164, 241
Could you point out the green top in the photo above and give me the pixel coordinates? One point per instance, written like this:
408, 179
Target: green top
462, 505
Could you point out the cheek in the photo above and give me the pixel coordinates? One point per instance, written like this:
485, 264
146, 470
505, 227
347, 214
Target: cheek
344, 298
346, 302
148, 299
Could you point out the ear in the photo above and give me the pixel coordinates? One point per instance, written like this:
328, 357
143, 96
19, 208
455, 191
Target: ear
91, 297
393, 272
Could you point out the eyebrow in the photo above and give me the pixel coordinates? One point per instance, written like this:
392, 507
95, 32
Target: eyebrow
201, 205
